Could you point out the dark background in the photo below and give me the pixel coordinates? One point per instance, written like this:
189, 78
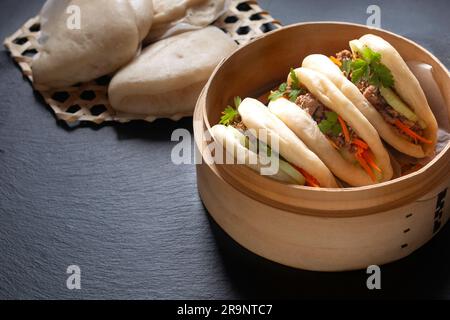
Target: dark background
109, 199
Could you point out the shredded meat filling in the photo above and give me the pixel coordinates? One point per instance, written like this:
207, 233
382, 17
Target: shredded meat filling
317, 110
308, 103
344, 55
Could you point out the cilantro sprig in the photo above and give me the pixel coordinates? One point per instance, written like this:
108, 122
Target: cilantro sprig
368, 67
230, 113
295, 80
346, 66
274, 95
330, 125
291, 91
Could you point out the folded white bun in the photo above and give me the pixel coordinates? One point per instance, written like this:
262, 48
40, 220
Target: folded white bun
144, 16
108, 38
167, 11
325, 66
256, 116
406, 85
330, 96
233, 141
165, 80
303, 125
176, 16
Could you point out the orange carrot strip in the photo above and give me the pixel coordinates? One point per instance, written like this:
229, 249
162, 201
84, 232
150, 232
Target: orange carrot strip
336, 61
359, 150
367, 155
411, 133
366, 167
344, 129
310, 180
360, 143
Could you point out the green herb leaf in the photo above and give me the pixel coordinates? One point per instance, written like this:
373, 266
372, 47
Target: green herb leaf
228, 116
336, 129
230, 113
360, 69
324, 126
282, 89
330, 125
369, 68
346, 66
331, 116
293, 95
370, 56
274, 95
295, 81
293, 91
382, 75
237, 101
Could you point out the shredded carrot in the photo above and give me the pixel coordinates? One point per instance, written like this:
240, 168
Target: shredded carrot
365, 166
365, 158
360, 143
344, 129
310, 180
411, 133
367, 155
336, 61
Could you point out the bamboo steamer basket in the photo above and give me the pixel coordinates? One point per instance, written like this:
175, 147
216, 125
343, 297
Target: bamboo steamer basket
307, 228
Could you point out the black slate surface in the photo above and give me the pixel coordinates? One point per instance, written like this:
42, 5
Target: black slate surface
109, 199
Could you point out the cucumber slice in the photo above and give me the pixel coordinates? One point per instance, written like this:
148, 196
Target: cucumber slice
284, 166
422, 124
292, 172
378, 175
356, 46
396, 102
238, 135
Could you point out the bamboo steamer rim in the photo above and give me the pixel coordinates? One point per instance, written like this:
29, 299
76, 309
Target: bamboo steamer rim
273, 195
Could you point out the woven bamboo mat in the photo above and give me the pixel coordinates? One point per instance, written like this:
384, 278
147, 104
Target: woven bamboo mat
88, 102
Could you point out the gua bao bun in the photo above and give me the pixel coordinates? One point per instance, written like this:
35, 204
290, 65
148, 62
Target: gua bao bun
165, 80
108, 38
176, 16
144, 16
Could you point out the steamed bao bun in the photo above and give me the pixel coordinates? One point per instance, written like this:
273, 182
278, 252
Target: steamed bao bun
165, 80
110, 36
176, 16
